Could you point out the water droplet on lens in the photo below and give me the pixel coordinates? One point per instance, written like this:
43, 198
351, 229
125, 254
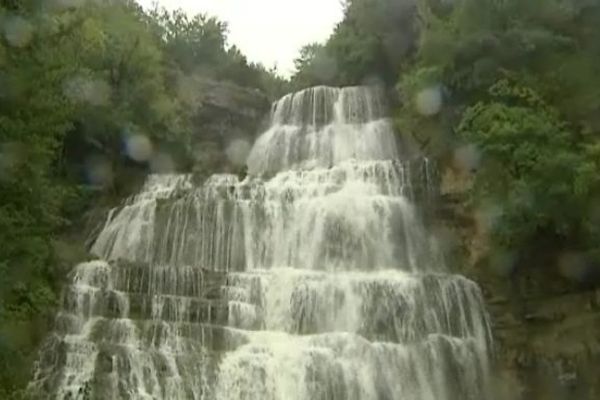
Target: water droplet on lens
468, 157
429, 101
82, 89
237, 152
138, 148
18, 32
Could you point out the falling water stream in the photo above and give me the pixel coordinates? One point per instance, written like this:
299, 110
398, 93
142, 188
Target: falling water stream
312, 279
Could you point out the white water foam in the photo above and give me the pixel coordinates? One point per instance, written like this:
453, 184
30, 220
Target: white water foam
312, 279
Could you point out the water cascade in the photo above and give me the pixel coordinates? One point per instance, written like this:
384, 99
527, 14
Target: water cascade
311, 279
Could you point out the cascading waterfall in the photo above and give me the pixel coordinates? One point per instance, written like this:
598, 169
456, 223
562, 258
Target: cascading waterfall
311, 279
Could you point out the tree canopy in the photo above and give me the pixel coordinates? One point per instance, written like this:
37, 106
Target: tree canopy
371, 43
517, 81
87, 88
509, 88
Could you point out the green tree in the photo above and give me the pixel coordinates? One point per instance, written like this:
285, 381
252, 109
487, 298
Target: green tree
34, 120
314, 66
89, 92
534, 169
518, 81
371, 43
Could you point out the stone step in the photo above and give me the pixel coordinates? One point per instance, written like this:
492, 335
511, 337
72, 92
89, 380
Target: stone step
88, 302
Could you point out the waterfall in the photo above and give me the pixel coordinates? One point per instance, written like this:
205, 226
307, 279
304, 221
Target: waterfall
311, 279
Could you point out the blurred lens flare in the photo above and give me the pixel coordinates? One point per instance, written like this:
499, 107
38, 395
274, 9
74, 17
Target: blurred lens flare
138, 147
18, 32
237, 152
429, 101
82, 89
467, 157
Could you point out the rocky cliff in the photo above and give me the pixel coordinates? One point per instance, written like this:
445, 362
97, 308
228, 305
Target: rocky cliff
227, 119
546, 327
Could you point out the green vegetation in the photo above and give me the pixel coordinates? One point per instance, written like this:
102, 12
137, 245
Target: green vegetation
509, 89
519, 83
78, 80
87, 86
371, 44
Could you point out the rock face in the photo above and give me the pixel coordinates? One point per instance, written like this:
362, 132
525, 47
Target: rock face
546, 329
317, 282
225, 114
123, 323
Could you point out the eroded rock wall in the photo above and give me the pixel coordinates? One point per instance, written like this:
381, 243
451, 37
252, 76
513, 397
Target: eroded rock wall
546, 328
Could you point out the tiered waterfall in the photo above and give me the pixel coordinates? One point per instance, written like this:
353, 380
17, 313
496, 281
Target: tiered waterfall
311, 279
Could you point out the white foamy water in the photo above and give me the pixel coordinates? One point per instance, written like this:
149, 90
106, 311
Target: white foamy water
322, 127
312, 279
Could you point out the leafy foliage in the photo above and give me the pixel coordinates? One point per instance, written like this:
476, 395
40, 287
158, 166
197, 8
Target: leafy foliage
81, 85
534, 168
519, 82
371, 43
